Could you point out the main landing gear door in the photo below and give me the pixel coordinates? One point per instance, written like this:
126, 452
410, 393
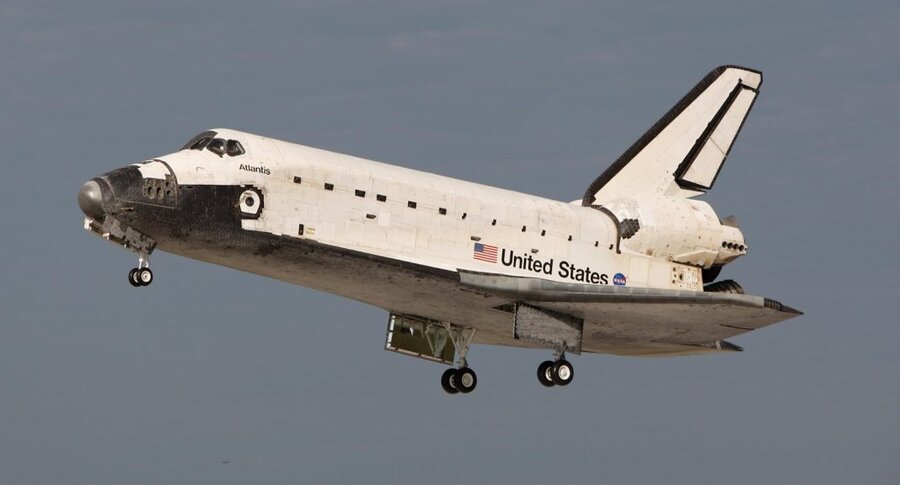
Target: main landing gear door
549, 329
420, 338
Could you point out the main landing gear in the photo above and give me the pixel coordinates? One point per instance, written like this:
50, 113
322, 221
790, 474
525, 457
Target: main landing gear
141, 276
462, 379
557, 372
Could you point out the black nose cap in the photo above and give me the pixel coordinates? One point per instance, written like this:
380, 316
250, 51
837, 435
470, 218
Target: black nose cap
90, 200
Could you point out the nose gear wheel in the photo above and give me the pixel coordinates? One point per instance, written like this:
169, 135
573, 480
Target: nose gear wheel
141, 276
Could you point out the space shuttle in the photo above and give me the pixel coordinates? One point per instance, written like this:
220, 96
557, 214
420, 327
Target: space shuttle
630, 268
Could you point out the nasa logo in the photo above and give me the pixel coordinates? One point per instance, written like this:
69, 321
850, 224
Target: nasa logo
619, 279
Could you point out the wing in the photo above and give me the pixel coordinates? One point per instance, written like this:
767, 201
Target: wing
641, 320
682, 153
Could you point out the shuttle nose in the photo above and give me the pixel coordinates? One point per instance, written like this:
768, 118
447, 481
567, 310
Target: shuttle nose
90, 200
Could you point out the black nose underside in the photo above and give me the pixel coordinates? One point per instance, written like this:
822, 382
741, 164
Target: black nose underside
90, 200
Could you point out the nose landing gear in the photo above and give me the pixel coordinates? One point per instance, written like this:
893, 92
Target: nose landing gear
115, 231
141, 276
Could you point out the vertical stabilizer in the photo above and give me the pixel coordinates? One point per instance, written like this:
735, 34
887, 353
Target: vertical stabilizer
681, 155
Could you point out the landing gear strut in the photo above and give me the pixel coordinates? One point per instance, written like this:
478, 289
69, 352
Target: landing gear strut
141, 276
462, 379
557, 372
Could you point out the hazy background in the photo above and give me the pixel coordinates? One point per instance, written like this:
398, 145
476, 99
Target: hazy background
102, 383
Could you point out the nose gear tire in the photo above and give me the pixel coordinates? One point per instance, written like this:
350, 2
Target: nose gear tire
145, 276
140, 276
133, 277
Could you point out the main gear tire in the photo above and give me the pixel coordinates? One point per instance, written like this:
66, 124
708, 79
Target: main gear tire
448, 381
562, 372
545, 373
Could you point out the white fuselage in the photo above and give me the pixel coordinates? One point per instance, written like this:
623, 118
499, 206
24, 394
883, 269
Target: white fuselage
422, 218
625, 264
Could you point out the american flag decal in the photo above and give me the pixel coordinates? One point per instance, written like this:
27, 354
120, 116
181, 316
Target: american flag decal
485, 252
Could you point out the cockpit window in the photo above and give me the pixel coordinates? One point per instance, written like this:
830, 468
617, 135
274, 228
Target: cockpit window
199, 142
217, 146
234, 148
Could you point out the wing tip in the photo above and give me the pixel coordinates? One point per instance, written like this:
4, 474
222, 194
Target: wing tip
723, 345
777, 305
726, 345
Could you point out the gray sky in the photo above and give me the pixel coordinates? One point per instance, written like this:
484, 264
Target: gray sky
101, 383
